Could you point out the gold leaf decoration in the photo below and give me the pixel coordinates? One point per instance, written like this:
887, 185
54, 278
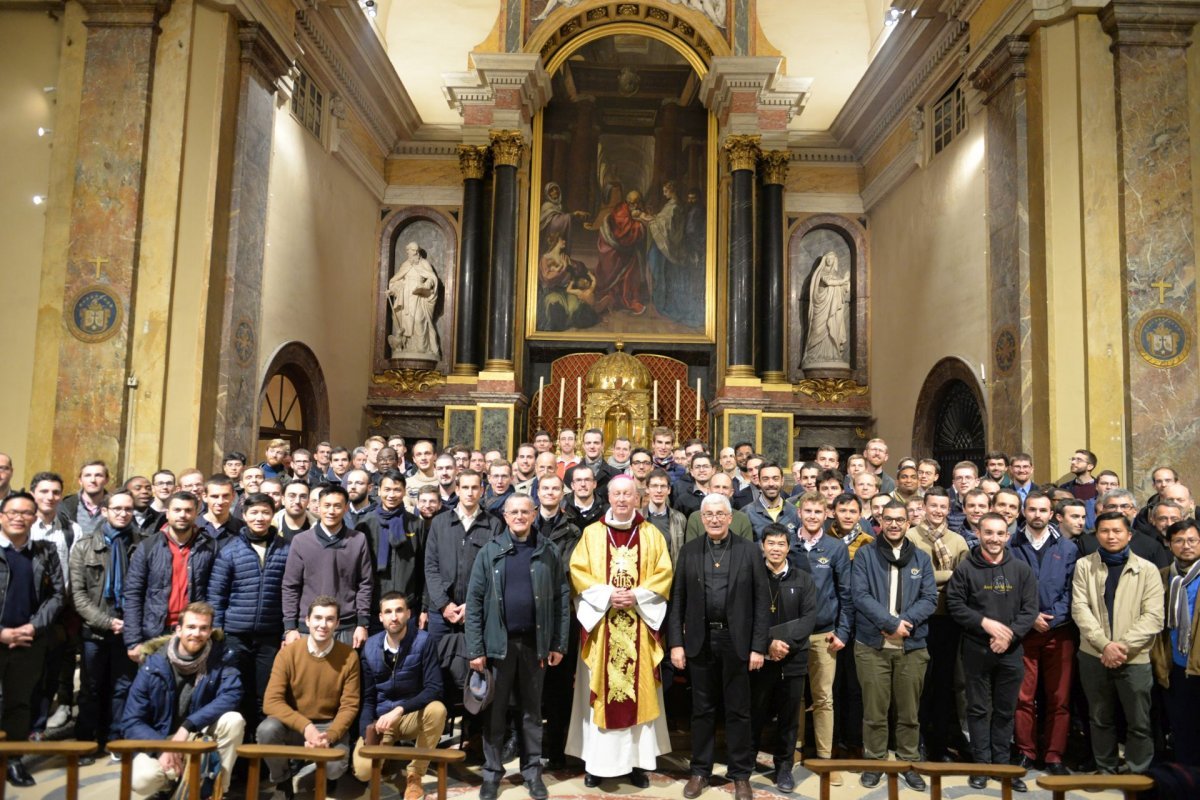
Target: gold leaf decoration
409, 380
830, 390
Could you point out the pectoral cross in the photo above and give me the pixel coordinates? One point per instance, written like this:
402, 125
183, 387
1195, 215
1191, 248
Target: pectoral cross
1162, 286
772, 608
99, 262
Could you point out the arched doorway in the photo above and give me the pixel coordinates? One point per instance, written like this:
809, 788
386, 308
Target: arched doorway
293, 403
949, 422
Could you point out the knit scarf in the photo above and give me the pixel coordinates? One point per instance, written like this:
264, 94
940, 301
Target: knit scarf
196, 665
114, 580
620, 466
941, 553
897, 561
391, 535
1178, 618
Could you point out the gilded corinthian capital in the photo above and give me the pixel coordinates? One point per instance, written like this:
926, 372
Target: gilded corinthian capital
743, 151
472, 160
775, 166
507, 147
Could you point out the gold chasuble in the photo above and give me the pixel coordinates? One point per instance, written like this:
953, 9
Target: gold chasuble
622, 651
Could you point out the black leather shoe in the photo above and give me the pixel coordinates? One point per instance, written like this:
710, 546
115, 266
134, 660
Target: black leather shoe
870, 779
639, 778
1025, 761
537, 788
87, 761
18, 775
1019, 785
1057, 768
977, 782
556, 763
511, 749
784, 781
914, 780
590, 781
489, 790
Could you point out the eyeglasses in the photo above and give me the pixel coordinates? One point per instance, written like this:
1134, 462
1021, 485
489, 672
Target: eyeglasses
1186, 542
894, 520
14, 514
1119, 506
120, 509
164, 483
714, 514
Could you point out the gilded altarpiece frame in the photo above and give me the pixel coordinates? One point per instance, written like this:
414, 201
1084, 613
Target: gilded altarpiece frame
625, 118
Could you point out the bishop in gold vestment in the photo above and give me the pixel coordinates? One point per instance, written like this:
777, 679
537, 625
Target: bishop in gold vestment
621, 572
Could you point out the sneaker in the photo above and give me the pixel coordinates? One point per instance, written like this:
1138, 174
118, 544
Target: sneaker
914, 780
870, 779
413, 790
59, 718
978, 782
835, 779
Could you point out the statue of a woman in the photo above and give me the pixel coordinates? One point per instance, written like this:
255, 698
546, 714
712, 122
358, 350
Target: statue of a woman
828, 316
412, 294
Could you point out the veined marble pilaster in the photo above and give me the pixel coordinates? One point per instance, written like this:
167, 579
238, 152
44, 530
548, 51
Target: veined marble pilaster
236, 421
1001, 79
1158, 243
91, 404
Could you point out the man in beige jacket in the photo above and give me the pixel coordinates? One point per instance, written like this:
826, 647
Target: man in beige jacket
1117, 602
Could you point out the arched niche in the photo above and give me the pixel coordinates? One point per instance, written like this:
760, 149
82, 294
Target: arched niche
809, 240
293, 386
437, 235
950, 419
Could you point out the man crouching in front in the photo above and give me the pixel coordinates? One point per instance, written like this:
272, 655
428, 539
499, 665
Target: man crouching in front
183, 690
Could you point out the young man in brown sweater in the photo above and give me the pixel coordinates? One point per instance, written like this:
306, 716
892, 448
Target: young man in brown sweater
313, 695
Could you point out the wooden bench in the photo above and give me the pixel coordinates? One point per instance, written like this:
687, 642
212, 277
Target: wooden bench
936, 770
1128, 785
71, 751
193, 749
379, 754
824, 766
320, 756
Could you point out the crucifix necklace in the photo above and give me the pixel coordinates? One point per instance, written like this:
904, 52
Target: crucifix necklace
774, 597
714, 555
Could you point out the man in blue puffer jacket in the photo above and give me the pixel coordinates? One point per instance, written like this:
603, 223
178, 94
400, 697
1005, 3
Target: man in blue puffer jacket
184, 690
246, 591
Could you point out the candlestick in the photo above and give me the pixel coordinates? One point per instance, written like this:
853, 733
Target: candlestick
677, 398
541, 385
654, 403
697, 400
562, 390
579, 397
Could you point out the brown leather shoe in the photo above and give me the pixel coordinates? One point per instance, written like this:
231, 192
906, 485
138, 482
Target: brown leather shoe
695, 785
742, 791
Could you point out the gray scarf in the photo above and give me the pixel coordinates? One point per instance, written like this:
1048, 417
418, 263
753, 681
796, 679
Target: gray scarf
196, 665
1178, 618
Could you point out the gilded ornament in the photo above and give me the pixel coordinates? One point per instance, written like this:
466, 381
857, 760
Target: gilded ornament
743, 151
830, 390
628, 10
507, 147
472, 160
409, 380
775, 166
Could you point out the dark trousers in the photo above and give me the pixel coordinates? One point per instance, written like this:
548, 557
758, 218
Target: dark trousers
253, 656
993, 683
717, 673
847, 701
557, 698
772, 693
1127, 687
105, 679
20, 669
1049, 656
58, 680
939, 712
519, 676
1183, 710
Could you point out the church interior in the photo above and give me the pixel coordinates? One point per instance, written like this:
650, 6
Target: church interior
958, 225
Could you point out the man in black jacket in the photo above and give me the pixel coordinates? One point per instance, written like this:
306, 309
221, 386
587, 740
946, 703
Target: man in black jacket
717, 624
779, 685
397, 545
994, 597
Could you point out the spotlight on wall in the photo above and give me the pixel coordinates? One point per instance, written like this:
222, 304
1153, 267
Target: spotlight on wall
49, 89
369, 7
892, 16
44, 132
39, 199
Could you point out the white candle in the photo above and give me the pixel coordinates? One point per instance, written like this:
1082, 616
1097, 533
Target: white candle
697, 398
562, 390
654, 404
677, 398
579, 397
541, 386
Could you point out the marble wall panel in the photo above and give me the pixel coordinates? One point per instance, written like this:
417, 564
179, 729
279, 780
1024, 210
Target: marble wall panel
494, 424
460, 428
741, 427
777, 439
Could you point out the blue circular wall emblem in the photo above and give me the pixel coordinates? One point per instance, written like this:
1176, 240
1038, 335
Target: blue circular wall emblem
95, 314
1163, 338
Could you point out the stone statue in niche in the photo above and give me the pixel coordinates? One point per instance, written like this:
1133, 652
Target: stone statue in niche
828, 332
412, 294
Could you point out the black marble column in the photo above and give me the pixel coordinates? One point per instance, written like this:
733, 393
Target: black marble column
472, 268
743, 153
507, 147
771, 328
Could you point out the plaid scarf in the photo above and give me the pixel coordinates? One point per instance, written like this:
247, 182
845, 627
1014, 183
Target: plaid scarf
1178, 618
941, 553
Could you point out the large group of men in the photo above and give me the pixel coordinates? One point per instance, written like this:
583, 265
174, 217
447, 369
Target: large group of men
567, 603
